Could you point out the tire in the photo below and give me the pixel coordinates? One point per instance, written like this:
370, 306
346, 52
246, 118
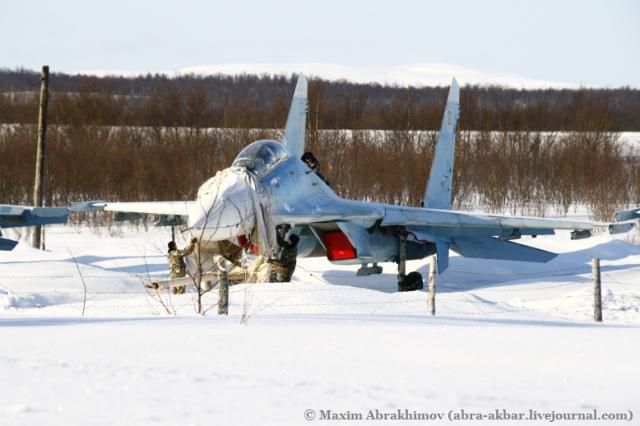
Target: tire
412, 281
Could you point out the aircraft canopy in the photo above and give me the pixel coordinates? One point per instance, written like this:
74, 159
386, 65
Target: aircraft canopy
261, 156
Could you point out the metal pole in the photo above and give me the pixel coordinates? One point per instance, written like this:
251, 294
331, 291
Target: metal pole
597, 292
38, 189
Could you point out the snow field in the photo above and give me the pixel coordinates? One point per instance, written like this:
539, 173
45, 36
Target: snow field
506, 335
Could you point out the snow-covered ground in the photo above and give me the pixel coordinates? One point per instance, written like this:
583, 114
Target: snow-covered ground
507, 335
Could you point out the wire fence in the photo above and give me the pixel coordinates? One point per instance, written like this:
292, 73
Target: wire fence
480, 298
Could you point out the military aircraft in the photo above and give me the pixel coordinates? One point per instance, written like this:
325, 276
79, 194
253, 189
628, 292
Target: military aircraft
12, 216
269, 185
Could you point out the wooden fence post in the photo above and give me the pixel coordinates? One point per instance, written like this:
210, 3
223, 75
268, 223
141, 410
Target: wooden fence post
431, 294
38, 187
223, 300
597, 292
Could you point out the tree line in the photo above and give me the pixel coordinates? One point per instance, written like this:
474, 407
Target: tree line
252, 101
97, 150
523, 172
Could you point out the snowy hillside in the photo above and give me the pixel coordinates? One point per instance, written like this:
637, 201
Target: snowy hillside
507, 335
429, 74
406, 74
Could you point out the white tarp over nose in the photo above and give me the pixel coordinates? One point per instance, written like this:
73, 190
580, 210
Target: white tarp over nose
234, 203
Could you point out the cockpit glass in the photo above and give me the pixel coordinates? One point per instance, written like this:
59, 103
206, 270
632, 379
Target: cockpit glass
261, 156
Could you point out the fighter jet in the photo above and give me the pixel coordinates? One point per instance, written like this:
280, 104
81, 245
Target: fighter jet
269, 186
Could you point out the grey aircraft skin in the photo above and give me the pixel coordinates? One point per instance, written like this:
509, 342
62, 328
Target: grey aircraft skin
348, 231
12, 216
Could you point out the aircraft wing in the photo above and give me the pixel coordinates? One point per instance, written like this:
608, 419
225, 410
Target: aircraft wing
460, 219
443, 222
333, 210
175, 208
486, 236
169, 208
472, 235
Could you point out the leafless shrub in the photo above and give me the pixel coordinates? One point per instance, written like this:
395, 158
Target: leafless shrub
84, 284
246, 306
136, 139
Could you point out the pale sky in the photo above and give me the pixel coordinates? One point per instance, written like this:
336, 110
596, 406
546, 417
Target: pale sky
593, 43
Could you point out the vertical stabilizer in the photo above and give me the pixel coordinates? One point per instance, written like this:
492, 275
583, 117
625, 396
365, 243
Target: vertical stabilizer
294, 131
438, 193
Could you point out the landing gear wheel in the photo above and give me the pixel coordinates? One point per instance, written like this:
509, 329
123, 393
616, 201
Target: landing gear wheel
411, 282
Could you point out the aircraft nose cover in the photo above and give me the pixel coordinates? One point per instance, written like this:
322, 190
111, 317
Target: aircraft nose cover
224, 208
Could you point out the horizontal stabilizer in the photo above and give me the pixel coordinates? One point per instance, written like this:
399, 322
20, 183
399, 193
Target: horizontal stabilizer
492, 248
